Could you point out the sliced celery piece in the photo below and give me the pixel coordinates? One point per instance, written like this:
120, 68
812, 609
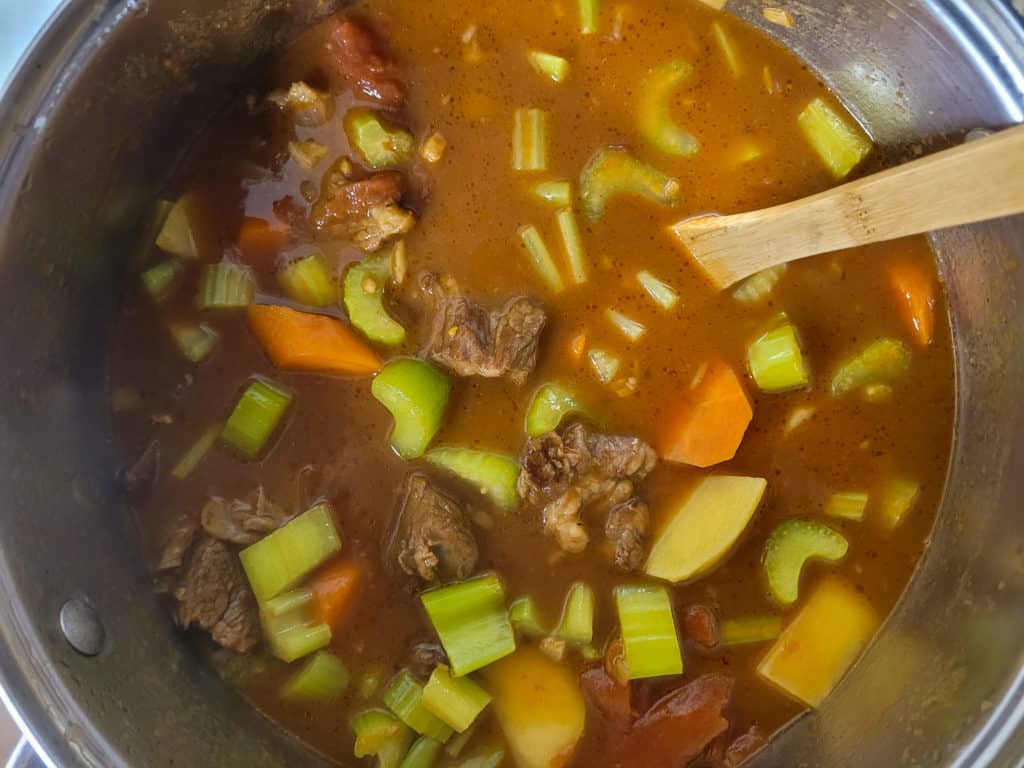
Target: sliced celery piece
880, 363
627, 326
364, 300
323, 678
790, 546
745, 630
161, 279
847, 506
493, 474
289, 627
530, 140
589, 13
379, 143
548, 65
541, 258
195, 341
176, 235
839, 142
299, 641
654, 110
307, 281
728, 46
471, 621
895, 499
525, 617
776, 360
283, 558
494, 759
577, 623
381, 734
196, 452
457, 701
416, 394
256, 417
661, 293
573, 244
613, 171
550, 404
405, 698
648, 631
554, 192
422, 754
604, 363
226, 286
758, 286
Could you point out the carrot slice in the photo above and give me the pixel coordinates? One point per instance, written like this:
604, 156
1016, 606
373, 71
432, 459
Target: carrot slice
301, 341
260, 240
335, 587
916, 291
709, 425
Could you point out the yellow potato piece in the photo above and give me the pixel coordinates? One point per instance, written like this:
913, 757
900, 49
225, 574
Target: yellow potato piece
821, 643
705, 527
539, 706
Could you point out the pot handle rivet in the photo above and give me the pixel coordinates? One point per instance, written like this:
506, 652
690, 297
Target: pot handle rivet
81, 627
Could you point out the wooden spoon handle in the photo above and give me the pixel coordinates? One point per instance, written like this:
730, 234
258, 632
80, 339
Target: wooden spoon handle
976, 181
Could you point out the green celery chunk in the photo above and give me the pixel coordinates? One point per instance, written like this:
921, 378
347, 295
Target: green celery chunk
541, 258
524, 616
604, 363
380, 144
575, 254
757, 287
382, 735
196, 452
627, 326
847, 506
839, 142
589, 13
364, 300
405, 698
613, 171
285, 557
649, 634
255, 418
471, 621
161, 279
422, 754
776, 360
458, 701
530, 140
548, 65
176, 235
226, 286
790, 546
323, 678
881, 363
577, 623
661, 293
654, 110
307, 281
895, 499
195, 341
550, 404
416, 394
745, 630
493, 474
554, 192
289, 627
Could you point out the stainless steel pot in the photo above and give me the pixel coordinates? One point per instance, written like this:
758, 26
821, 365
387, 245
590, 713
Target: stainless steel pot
93, 124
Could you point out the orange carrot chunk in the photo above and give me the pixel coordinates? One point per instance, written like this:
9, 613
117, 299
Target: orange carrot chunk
259, 240
335, 587
300, 341
709, 426
915, 290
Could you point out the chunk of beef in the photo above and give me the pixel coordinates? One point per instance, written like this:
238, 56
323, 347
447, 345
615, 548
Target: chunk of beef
365, 211
359, 56
424, 657
608, 697
731, 753
564, 474
472, 341
700, 625
177, 541
212, 594
432, 536
242, 521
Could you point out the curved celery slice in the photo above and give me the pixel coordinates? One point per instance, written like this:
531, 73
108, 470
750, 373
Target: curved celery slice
364, 300
382, 145
256, 417
323, 678
648, 631
577, 623
790, 546
405, 698
654, 113
551, 403
457, 701
525, 617
776, 360
548, 65
614, 171
882, 362
307, 281
416, 393
493, 474
381, 734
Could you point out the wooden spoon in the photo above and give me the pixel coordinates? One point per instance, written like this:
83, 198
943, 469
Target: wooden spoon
977, 181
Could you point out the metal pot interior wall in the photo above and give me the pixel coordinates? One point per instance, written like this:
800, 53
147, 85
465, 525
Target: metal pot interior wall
92, 132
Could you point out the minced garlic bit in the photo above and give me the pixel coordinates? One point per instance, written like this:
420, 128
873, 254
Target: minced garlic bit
399, 263
553, 647
369, 285
309, 107
307, 153
778, 16
453, 331
433, 147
